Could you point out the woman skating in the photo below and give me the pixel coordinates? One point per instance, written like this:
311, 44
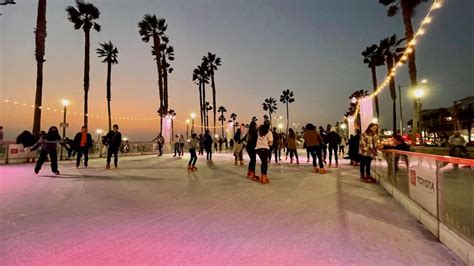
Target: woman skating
264, 142
292, 146
239, 140
193, 146
48, 143
252, 136
314, 141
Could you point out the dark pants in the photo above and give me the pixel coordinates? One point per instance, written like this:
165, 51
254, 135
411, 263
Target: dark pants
82, 151
114, 151
176, 149
209, 153
53, 157
253, 158
160, 149
263, 154
365, 162
293, 152
324, 148
71, 152
333, 149
315, 152
341, 149
273, 149
181, 148
194, 157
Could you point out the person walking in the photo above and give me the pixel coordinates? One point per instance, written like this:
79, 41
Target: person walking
342, 145
292, 146
221, 141
193, 146
201, 144
113, 140
368, 146
177, 150
83, 142
252, 136
324, 144
48, 144
333, 140
262, 148
275, 145
207, 142
314, 141
182, 141
354, 141
239, 141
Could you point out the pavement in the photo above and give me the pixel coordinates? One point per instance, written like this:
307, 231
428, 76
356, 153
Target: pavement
150, 210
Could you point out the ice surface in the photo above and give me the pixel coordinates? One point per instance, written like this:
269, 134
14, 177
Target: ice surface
152, 211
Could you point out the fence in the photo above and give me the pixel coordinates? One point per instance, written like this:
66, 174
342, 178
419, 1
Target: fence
438, 190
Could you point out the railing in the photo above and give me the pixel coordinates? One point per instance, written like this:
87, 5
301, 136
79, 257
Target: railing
442, 186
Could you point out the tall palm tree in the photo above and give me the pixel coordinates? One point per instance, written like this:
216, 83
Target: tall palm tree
233, 116
151, 27
167, 55
355, 98
201, 78
212, 62
222, 110
392, 53
109, 52
40, 40
84, 17
287, 97
373, 59
270, 105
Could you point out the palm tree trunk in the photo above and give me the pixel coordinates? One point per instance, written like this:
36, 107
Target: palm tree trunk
213, 84
40, 39
393, 94
109, 92
165, 84
200, 107
222, 123
204, 107
156, 45
271, 121
374, 86
287, 118
86, 73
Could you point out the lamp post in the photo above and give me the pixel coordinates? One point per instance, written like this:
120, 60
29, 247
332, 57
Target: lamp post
424, 81
193, 115
419, 92
280, 127
64, 125
187, 128
99, 131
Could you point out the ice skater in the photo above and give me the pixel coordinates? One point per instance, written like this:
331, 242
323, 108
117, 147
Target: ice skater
252, 136
83, 142
262, 148
193, 146
314, 142
48, 143
113, 140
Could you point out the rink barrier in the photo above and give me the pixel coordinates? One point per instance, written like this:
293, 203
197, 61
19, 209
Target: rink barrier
437, 190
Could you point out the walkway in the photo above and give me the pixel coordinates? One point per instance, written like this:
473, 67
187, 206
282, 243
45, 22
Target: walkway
150, 210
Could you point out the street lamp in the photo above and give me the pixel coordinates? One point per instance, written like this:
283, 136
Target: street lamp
424, 81
419, 92
280, 127
193, 115
187, 128
64, 125
99, 131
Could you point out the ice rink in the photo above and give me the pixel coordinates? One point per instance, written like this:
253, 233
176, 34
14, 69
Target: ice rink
152, 211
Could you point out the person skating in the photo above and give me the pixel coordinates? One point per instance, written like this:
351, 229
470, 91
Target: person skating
368, 147
292, 146
333, 140
193, 146
275, 145
207, 143
239, 141
48, 143
314, 142
113, 140
342, 145
28, 141
354, 141
182, 141
252, 136
160, 141
83, 142
324, 144
177, 150
262, 148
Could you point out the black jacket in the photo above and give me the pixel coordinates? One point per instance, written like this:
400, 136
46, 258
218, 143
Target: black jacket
113, 139
77, 140
333, 138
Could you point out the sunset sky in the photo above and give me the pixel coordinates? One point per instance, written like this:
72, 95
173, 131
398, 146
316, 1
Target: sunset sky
266, 46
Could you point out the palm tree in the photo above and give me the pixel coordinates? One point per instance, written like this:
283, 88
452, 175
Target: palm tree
212, 62
408, 8
109, 52
84, 17
355, 98
201, 78
287, 97
222, 110
392, 53
207, 108
40, 40
254, 119
270, 105
151, 27
167, 54
234, 117
373, 59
